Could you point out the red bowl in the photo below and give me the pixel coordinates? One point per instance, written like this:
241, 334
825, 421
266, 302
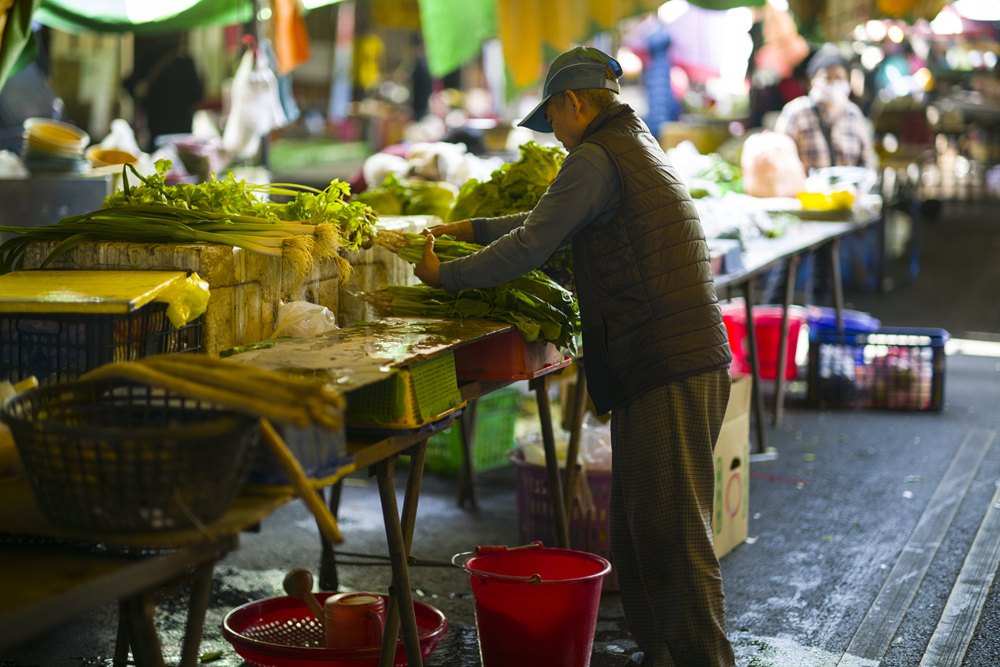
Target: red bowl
282, 632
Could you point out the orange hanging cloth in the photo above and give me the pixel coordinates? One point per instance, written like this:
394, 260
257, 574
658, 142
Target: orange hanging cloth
290, 38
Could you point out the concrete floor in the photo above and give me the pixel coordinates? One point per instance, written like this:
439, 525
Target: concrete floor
831, 514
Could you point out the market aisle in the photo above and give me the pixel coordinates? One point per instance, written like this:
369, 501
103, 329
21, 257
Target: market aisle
958, 286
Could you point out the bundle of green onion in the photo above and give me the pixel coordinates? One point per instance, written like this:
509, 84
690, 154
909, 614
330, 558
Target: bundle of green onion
536, 305
313, 225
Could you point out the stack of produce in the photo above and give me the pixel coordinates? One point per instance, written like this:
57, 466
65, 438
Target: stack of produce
314, 224
404, 196
513, 188
516, 188
537, 306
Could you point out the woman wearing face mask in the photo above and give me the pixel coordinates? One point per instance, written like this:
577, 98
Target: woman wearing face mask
829, 131
828, 128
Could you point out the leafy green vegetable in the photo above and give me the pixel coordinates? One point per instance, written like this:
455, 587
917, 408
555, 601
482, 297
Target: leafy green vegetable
237, 197
402, 196
513, 188
536, 305
725, 175
313, 223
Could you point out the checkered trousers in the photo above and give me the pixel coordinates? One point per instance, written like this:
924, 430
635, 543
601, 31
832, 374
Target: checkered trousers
662, 487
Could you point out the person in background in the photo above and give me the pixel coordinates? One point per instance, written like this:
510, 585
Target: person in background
654, 343
166, 86
829, 130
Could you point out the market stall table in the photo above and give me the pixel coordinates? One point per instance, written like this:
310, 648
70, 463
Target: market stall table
358, 357
823, 230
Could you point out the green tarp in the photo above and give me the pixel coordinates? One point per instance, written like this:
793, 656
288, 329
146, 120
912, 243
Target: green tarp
16, 45
727, 4
142, 17
454, 31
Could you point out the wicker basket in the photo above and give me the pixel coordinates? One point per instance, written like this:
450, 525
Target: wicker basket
118, 457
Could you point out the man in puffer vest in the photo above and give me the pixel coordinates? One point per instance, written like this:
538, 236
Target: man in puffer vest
656, 350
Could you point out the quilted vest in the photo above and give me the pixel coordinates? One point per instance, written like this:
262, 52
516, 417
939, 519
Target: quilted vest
646, 290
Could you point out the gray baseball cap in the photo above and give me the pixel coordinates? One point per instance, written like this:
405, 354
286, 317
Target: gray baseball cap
579, 68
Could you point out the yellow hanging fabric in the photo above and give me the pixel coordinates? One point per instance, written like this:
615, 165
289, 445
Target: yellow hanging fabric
521, 36
530, 28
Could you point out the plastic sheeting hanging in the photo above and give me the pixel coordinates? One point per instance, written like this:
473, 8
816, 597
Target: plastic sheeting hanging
255, 105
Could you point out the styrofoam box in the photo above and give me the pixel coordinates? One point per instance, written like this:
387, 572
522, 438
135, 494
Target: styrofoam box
246, 288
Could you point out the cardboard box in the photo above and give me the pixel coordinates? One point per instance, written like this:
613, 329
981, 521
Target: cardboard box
730, 517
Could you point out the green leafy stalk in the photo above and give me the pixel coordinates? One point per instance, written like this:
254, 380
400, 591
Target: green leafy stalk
230, 212
536, 305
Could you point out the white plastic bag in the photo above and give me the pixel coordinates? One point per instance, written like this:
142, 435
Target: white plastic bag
301, 319
771, 166
122, 138
255, 107
595, 443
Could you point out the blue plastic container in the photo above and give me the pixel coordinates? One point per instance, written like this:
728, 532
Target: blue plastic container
825, 319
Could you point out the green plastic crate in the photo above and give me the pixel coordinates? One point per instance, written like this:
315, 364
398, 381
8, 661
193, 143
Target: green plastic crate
496, 419
415, 395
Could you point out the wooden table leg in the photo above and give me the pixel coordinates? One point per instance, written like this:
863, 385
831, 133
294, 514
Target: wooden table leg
201, 591
138, 612
121, 643
328, 579
576, 428
467, 489
779, 386
541, 387
756, 395
399, 592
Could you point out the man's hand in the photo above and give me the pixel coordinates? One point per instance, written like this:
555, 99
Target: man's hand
429, 268
461, 230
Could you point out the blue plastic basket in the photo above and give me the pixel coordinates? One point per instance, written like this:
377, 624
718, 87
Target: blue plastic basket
894, 368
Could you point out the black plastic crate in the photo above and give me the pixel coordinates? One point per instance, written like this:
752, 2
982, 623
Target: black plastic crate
894, 368
56, 347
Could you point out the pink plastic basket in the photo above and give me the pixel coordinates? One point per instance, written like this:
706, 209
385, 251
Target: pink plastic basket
588, 530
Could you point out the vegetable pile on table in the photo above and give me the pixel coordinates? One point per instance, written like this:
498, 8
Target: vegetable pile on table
513, 188
405, 196
537, 306
314, 224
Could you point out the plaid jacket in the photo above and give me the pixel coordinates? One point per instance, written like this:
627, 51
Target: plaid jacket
850, 132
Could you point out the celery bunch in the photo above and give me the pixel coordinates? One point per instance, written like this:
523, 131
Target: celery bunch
537, 306
313, 225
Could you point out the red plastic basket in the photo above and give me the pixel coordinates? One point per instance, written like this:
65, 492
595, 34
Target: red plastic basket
767, 320
282, 632
507, 356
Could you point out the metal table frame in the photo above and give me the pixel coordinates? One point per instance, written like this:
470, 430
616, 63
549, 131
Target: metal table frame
767, 254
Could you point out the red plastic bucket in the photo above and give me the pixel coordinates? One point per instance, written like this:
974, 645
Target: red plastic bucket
535, 605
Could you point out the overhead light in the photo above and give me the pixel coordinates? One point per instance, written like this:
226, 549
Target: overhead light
978, 10
672, 10
876, 30
947, 22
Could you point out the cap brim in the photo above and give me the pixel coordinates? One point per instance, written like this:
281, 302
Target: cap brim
536, 119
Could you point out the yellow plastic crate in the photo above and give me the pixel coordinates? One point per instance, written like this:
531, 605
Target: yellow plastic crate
416, 395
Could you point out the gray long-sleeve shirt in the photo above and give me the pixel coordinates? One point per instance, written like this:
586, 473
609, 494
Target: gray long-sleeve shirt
585, 191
